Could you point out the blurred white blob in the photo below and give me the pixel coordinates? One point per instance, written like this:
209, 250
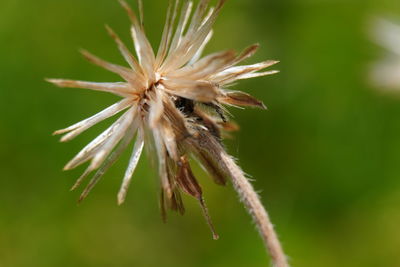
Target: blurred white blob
385, 73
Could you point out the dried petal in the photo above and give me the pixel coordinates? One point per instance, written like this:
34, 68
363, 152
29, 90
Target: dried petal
130, 59
248, 52
118, 88
183, 20
137, 151
89, 150
169, 140
113, 140
105, 166
125, 73
197, 33
81, 126
156, 108
199, 52
235, 73
167, 33
162, 162
202, 91
208, 65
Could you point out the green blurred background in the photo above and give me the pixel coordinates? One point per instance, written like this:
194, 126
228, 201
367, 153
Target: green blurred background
325, 157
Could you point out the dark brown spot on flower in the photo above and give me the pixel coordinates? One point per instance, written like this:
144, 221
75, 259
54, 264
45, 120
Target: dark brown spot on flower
184, 105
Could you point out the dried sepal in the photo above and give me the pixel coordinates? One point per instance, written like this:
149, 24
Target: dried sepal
237, 98
189, 185
186, 179
229, 126
208, 163
207, 122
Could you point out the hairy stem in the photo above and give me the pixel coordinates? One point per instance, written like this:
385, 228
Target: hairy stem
256, 209
211, 148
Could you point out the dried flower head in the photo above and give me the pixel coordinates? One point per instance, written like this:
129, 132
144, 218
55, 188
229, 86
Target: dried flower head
174, 102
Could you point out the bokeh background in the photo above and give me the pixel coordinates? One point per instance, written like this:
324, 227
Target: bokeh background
325, 156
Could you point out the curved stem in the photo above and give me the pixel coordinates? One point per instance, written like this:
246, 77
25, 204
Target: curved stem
208, 145
254, 206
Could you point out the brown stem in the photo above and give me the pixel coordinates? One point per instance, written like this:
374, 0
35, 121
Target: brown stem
211, 147
254, 206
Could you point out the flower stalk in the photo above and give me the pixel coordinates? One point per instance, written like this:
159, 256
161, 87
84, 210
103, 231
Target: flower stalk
248, 196
173, 101
256, 209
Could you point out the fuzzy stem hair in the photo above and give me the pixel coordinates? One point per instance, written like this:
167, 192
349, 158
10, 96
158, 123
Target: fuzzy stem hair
248, 196
256, 209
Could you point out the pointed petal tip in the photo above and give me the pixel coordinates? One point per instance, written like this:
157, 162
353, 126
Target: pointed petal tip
81, 198
129, 10
108, 28
231, 53
270, 62
208, 218
123, 3
263, 106
120, 200
64, 138
56, 82
84, 52
58, 132
253, 47
97, 160
221, 3
76, 185
49, 80
110, 31
67, 167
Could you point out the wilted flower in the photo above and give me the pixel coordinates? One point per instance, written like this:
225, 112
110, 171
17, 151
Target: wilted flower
174, 102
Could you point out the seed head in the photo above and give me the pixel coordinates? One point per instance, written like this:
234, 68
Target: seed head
172, 100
